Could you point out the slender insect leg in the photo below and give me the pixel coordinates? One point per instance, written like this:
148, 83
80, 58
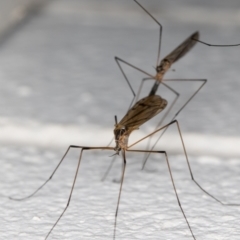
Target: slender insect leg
74, 181
175, 190
70, 196
120, 191
204, 81
160, 30
131, 65
118, 60
190, 170
128, 82
188, 163
172, 180
75, 177
158, 53
31, 195
216, 45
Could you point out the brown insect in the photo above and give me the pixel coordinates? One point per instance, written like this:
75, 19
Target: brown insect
161, 68
164, 65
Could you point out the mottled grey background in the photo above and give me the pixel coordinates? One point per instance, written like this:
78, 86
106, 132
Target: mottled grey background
59, 66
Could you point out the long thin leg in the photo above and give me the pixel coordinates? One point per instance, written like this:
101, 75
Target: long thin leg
216, 45
175, 190
171, 176
74, 181
188, 163
131, 65
158, 53
128, 82
120, 191
204, 81
71, 146
118, 60
172, 104
70, 196
31, 195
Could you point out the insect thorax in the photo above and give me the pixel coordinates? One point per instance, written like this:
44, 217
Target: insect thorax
121, 138
162, 68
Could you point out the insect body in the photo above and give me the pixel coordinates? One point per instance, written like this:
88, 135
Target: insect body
161, 68
141, 112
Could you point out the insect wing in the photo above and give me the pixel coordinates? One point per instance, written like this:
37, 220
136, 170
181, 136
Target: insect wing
142, 111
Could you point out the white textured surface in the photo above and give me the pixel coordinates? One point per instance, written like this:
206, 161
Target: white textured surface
60, 86
148, 208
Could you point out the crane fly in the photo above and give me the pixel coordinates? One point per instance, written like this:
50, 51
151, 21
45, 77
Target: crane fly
161, 68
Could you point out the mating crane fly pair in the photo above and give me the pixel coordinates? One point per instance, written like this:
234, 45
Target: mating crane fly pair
141, 112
